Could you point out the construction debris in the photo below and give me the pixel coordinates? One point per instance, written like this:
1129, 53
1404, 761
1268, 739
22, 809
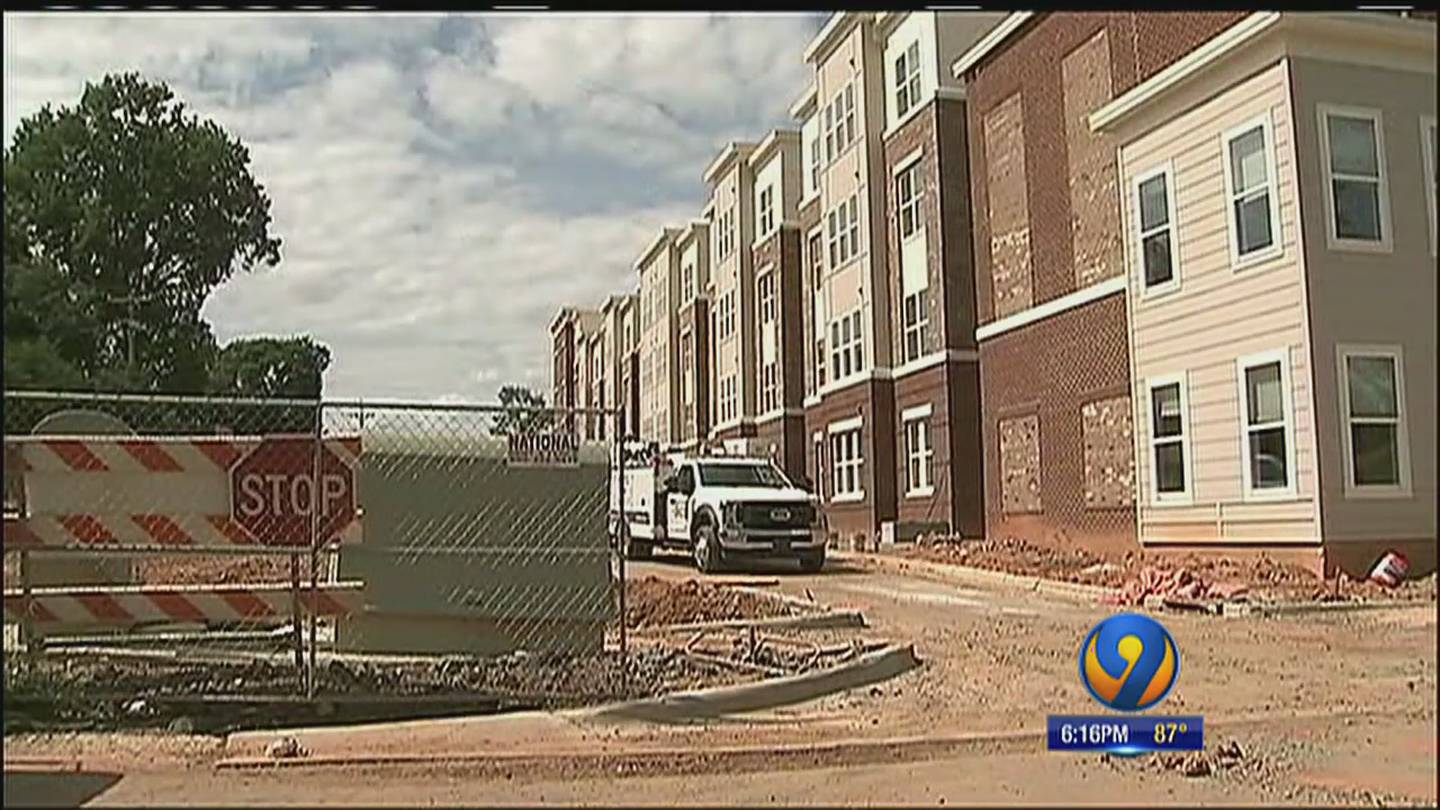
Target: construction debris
652, 601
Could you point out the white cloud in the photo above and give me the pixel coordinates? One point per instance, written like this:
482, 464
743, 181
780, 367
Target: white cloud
432, 178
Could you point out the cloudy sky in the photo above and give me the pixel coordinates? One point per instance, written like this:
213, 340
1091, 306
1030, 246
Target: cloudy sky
441, 183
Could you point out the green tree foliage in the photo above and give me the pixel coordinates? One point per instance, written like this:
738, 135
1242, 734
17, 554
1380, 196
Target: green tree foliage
523, 411
122, 214
290, 368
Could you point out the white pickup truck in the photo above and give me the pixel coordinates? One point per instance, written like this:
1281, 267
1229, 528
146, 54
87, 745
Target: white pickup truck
720, 509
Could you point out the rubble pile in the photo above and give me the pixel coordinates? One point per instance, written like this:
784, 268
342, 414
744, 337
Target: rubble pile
651, 601
1019, 556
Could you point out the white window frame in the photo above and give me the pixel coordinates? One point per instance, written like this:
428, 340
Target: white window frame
846, 427
919, 415
1427, 153
765, 294
1186, 496
1277, 245
1166, 171
1402, 489
1332, 239
1287, 409
907, 79
766, 211
818, 443
910, 172
919, 326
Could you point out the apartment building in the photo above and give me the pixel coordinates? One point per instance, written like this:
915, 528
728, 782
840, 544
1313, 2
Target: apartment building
617, 351
1280, 239
693, 334
778, 343
891, 393
732, 276
658, 268
850, 413
930, 274
1056, 409
572, 370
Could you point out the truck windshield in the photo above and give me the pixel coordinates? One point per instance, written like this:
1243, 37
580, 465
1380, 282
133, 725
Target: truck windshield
741, 475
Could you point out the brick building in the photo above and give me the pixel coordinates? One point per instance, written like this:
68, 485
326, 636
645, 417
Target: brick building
1054, 356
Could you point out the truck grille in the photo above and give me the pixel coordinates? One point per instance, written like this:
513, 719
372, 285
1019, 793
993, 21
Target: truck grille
776, 515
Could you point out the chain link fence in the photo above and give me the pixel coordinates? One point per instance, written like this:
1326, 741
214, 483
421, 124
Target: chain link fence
169, 546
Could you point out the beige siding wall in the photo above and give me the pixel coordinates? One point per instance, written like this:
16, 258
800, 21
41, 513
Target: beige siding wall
1373, 298
659, 289
1216, 316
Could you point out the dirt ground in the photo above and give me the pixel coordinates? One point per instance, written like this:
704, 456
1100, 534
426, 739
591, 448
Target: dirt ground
1258, 578
1324, 709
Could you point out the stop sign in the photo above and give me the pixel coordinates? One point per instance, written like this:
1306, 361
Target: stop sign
272, 490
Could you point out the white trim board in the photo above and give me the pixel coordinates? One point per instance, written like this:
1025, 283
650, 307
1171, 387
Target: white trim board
1055, 306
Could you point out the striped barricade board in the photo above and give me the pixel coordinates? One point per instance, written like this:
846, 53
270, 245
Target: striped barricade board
125, 606
181, 493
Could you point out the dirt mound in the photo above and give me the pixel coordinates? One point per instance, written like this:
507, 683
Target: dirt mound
652, 601
1138, 574
1015, 555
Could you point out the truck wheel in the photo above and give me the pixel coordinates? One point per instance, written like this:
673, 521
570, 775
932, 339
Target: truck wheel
637, 550
812, 562
707, 549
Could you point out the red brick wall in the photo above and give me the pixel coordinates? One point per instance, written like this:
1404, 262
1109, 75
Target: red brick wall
1140, 43
874, 402
1050, 370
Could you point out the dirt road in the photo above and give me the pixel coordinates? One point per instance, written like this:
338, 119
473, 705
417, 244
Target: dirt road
1326, 709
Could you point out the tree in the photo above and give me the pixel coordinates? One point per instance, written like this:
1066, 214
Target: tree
290, 368
122, 214
523, 411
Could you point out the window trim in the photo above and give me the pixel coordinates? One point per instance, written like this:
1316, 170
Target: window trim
1427, 161
1185, 497
920, 327
1403, 488
909, 416
854, 425
1166, 170
1386, 243
1287, 409
1277, 246
911, 170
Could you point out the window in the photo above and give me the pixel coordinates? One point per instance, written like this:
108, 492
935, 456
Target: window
688, 274
907, 79
819, 441
725, 316
728, 399
1353, 148
916, 319
1432, 175
919, 454
846, 356
767, 210
1372, 395
839, 122
1254, 220
770, 386
908, 190
846, 461
819, 356
765, 294
687, 389
1169, 446
1267, 437
843, 230
815, 165
1155, 224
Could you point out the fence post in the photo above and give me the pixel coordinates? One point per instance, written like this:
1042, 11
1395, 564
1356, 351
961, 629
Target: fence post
622, 532
27, 629
295, 614
316, 456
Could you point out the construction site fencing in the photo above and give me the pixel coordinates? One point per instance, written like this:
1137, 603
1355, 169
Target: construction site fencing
170, 546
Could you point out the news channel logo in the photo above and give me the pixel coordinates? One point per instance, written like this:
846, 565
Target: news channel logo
1129, 662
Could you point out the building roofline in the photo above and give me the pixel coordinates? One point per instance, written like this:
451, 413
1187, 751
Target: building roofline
771, 143
805, 103
988, 43
565, 313
838, 24
1240, 36
667, 234
734, 150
